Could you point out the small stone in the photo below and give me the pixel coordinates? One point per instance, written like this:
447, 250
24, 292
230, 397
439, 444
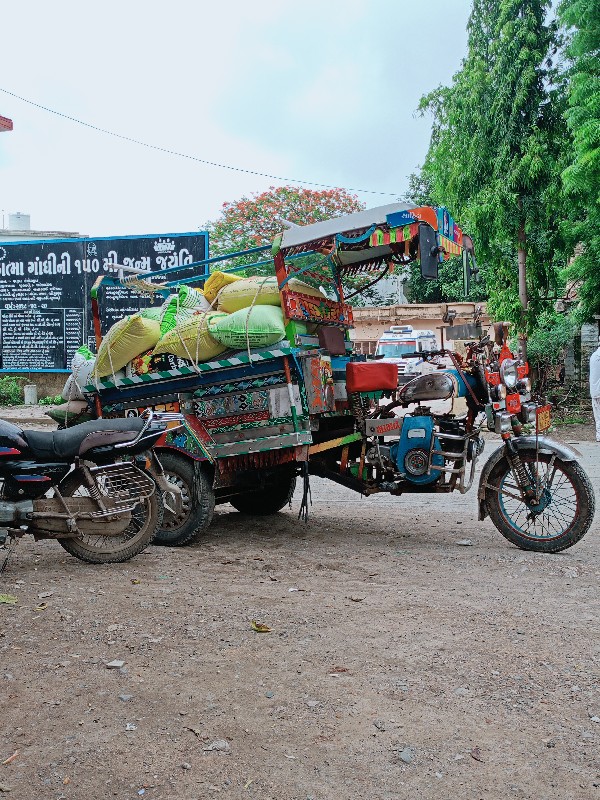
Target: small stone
461, 691
270, 695
594, 719
439, 775
406, 755
116, 664
464, 542
41, 595
130, 727
220, 745
125, 697
312, 703
380, 725
186, 765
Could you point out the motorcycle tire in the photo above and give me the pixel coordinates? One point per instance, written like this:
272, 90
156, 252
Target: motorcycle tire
267, 501
568, 505
146, 518
198, 500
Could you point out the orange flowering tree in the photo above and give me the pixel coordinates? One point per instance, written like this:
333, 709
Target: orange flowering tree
254, 221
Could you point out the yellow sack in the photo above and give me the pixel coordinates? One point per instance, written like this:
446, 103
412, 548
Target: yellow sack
125, 340
216, 282
192, 340
259, 291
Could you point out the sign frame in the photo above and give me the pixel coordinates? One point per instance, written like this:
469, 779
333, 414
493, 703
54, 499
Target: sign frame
37, 278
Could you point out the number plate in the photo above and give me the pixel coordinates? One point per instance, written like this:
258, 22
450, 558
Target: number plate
542, 418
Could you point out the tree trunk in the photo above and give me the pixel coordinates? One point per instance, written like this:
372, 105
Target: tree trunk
522, 260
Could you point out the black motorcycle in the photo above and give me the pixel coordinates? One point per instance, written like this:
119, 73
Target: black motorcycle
91, 487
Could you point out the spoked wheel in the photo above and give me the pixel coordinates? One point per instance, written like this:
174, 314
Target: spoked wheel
141, 527
560, 515
198, 501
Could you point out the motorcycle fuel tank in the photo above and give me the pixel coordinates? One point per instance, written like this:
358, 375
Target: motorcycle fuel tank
411, 453
435, 386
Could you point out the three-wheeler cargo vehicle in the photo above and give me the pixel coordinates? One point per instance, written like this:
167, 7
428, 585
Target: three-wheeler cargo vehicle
256, 420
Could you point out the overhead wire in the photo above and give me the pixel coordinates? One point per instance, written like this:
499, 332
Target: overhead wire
168, 151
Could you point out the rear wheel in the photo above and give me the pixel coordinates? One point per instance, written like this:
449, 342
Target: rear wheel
267, 500
198, 501
97, 549
563, 513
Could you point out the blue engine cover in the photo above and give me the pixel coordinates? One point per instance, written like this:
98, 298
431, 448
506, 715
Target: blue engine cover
411, 453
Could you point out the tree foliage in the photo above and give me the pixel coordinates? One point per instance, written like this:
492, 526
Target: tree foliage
582, 176
254, 221
547, 345
496, 149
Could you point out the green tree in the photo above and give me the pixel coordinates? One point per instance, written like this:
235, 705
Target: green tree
256, 220
582, 176
496, 149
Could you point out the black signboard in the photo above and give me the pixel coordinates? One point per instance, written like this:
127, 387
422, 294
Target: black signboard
45, 310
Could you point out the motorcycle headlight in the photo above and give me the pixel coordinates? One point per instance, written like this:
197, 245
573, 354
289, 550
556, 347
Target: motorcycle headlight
508, 373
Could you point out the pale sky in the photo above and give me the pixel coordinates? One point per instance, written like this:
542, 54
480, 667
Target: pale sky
321, 91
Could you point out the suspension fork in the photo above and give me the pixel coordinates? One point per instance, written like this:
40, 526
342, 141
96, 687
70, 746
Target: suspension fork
521, 474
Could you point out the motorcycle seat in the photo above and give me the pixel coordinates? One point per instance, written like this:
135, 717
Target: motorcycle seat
65, 445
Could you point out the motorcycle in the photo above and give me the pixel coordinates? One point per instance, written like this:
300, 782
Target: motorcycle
532, 487
91, 487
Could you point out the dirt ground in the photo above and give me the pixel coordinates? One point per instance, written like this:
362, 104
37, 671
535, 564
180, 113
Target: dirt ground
400, 663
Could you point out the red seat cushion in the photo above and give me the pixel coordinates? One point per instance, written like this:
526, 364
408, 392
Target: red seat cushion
371, 376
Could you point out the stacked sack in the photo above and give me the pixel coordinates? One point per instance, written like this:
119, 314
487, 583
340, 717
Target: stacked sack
230, 313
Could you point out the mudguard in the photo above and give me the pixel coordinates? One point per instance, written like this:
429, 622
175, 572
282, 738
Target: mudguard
544, 445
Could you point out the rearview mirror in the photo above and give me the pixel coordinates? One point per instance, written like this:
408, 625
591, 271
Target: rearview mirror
428, 252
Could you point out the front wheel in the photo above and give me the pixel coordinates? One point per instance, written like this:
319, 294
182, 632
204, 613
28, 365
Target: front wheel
562, 514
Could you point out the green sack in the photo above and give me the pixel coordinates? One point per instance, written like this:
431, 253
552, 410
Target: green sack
154, 312
178, 308
71, 413
193, 298
260, 326
85, 351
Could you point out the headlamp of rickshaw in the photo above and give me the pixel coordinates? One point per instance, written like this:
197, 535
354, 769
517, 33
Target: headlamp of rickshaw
502, 422
509, 373
528, 412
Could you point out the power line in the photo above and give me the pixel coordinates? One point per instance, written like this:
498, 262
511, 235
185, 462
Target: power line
186, 155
